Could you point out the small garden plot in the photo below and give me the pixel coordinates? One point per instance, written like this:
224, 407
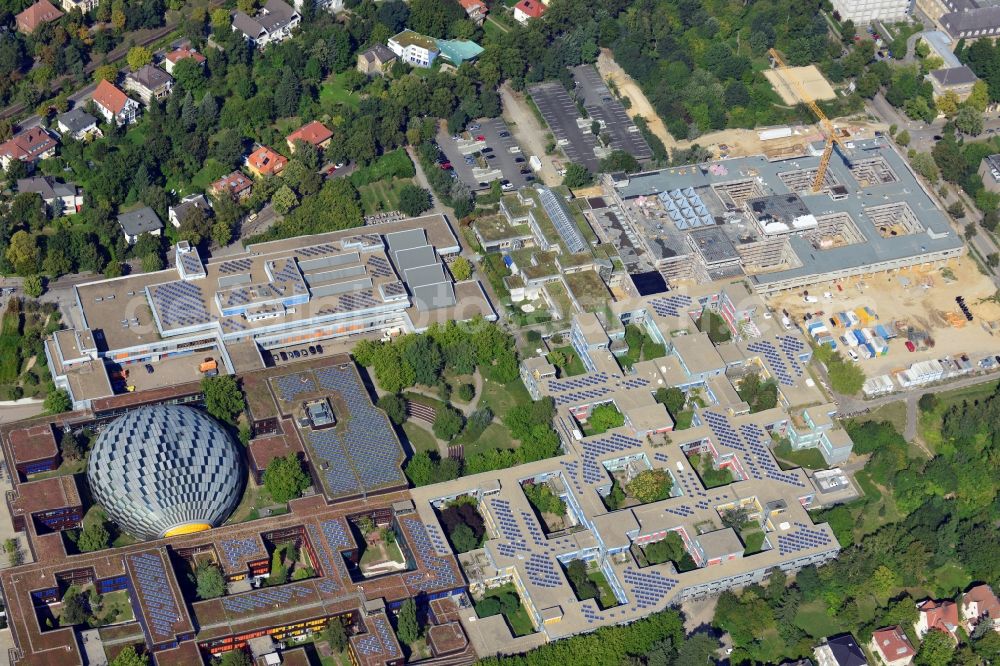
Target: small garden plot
83, 605
589, 582
710, 476
463, 524
549, 508
289, 562
668, 549
505, 600
712, 323
603, 418
567, 361
641, 347
760, 395
651, 485
380, 553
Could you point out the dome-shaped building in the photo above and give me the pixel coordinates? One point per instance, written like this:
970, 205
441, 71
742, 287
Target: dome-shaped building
166, 470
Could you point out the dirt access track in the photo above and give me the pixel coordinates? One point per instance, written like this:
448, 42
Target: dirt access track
736, 142
923, 307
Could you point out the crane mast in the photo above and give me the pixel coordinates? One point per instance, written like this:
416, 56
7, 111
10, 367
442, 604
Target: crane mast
828, 129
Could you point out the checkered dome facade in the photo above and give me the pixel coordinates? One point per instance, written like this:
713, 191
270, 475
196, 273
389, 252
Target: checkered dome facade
159, 467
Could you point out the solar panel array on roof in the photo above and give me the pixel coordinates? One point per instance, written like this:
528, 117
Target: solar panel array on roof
235, 266
291, 386
238, 551
802, 538
266, 598
179, 304
439, 572
786, 369
670, 306
648, 589
363, 453
392, 290
593, 472
191, 266
155, 594
562, 220
686, 209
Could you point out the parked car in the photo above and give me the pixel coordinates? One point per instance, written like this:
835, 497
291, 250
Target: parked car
283, 355
149, 368
446, 166
506, 185
312, 349
319, 349
519, 160
480, 137
474, 126
910, 346
503, 134
853, 354
296, 354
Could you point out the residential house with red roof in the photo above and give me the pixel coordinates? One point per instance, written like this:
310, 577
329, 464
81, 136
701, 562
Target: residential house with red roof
115, 105
41, 12
476, 10
181, 53
29, 146
525, 10
892, 647
980, 604
939, 615
265, 162
238, 185
314, 133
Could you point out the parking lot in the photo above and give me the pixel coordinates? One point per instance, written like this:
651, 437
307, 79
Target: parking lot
605, 107
491, 155
560, 114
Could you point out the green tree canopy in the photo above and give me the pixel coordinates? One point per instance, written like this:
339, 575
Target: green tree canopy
285, 479
223, 397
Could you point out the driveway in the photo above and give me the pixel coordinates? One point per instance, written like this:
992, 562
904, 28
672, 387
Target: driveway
528, 131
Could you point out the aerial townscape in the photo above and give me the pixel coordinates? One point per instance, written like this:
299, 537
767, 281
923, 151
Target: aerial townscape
523, 333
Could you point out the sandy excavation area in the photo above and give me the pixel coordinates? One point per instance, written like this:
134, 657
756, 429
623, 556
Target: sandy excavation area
926, 308
808, 78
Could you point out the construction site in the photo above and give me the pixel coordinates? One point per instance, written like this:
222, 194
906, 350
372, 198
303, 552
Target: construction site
918, 303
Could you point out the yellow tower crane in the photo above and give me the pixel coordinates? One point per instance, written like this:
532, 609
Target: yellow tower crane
831, 135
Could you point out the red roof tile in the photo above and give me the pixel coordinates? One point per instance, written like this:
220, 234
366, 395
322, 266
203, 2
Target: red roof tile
892, 643
266, 162
314, 133
110, 97
28, 145
530, 7
177, 55
37, 14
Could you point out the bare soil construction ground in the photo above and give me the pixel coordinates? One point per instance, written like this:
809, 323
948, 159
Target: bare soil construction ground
924, 308
809, 78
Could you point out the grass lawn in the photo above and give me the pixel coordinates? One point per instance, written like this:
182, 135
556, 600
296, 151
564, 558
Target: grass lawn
808, 458
894, 413
949, 579
573, 365
492, 29
753, 540
496, 436
607, 598
420, 439
502, 397
333, 93
813, 619
520, 623
116, 607
382, 195
684, 420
